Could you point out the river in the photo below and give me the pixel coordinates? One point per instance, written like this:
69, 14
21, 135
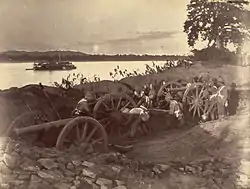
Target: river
15, 75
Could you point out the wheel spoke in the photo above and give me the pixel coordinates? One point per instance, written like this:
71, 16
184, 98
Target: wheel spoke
78, 133
126, 105
91, 134
84, 133
112, 102
96, 141
194, 111
197, 91
199, 113
119, 103
201, 92
192, 107
106, 106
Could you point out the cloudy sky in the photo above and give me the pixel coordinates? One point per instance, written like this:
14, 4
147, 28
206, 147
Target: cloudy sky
94, 26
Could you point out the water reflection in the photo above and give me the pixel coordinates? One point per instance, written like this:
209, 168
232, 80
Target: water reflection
15, 75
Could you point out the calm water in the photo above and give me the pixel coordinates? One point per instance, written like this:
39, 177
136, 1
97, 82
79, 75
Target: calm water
15, 75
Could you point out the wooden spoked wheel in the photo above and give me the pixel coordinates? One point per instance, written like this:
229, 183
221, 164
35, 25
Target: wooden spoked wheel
168, 88
85, 134
27, 119
108, 111
193, 97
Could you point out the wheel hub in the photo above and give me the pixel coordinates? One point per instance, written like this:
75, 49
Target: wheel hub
116, 116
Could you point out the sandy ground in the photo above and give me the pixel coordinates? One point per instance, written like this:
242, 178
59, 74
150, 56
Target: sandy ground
226, 142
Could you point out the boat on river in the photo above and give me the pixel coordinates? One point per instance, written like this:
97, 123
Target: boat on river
50, 66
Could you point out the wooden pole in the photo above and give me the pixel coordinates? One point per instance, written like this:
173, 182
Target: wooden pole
48, 99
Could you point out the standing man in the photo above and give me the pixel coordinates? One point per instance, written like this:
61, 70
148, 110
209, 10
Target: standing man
222, 98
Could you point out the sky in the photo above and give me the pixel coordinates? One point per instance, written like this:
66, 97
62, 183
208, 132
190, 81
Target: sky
94, 26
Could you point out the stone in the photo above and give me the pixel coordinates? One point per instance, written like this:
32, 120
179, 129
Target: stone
76, 182
62, 186
105, 187
208, 172
85, 185
104, 182
48, 163
77, 163
18, 182
120, 187
35, 178
10, 161
23, 176
48, 175
89, 180
157, 170
119, 182
117, 168
4, 169
88, 164
40, 186
88, 173
70, 166
69, 173
163, 167
190, 169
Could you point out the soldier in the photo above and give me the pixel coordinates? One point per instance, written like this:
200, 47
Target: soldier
233, 100
141, 117
151, 95
222, 98
85, 105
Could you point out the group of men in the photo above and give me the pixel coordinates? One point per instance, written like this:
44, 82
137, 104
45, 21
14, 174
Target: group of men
218, 101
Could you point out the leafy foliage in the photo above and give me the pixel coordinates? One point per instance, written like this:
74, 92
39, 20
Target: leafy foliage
75, 79
150, 69
219, 23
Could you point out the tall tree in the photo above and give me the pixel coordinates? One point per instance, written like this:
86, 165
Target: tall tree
216, 22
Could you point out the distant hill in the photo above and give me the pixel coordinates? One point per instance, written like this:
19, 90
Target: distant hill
25, 56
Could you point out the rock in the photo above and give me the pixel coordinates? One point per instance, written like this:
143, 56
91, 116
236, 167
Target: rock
119, 182
120, 187
76, 182
35, 178
163, 167
77, 163
40, 186
48, 175
208, 172
89, 180
23, 176
104, 182
88, 164
88, 173
117, 168
4, 169
10, 161
157, 170
105, 187
85, 185
48, 163
70, 166
69, 173
190, 169
62, 186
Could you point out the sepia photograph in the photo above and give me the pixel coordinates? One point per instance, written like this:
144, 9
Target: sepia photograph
124, 94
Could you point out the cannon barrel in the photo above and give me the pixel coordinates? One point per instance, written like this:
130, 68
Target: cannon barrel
40, 127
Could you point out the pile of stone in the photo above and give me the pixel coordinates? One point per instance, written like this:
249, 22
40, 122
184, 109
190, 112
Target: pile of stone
28, 167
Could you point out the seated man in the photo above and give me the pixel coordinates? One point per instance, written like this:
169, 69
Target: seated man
84, 106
